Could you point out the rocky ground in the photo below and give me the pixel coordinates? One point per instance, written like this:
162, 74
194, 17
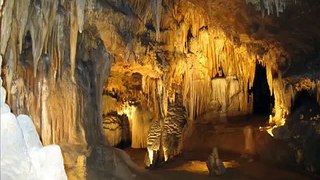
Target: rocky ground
191, 164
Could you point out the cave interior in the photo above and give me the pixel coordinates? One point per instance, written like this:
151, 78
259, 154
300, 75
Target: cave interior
164, 89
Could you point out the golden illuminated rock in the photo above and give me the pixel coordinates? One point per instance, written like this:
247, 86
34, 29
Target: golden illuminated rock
67, 63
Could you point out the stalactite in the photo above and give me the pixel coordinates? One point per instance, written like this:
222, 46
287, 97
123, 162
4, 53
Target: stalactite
1, 3
216, 54
154, 90
58, 43
196, 89
22, 13
282, 102
6, 20
81, 4
271, 6
49, 11
73, 37
269, 78
36, 35
140, 127
226, 96
40, 28
157, 10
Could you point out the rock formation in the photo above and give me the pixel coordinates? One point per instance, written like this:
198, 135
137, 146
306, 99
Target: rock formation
22, 153
66, 63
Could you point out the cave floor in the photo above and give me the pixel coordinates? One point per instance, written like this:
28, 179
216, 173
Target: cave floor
191, 164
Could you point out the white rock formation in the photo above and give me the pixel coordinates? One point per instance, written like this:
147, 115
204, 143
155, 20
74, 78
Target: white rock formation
271, 6
22, 153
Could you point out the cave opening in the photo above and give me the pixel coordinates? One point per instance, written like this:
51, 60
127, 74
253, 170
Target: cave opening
304, 101
301, 98
263, 102
126, 113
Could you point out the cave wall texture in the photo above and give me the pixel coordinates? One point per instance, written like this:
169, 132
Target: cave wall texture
60, 57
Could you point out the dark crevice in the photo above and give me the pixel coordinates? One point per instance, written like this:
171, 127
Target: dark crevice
262, 100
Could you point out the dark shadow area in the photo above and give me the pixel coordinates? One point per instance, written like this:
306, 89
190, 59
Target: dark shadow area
124, 144
303, 100
303, 124
263, 102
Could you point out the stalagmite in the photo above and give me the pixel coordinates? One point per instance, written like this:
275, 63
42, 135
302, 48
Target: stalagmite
214, 163
154, 141
172, 131
45, 129
249, 146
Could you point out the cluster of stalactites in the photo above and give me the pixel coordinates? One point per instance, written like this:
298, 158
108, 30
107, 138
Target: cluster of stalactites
284, 92
156, 95
283, 96
268, 7
218, 56
210, 51
47, 23
45, 20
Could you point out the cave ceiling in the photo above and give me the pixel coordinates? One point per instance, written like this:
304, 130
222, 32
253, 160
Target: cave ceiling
128, 30
181, 43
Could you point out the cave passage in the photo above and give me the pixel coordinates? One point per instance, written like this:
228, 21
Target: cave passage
262, 100
304, 105
301, 98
